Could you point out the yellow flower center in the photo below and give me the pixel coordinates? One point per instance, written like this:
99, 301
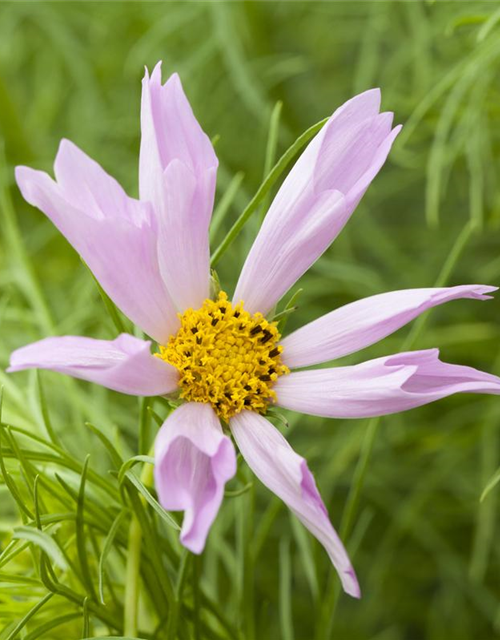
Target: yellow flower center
226, 357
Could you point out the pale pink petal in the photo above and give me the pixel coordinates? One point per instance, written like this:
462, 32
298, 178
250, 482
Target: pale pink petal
124, 364
330, 177
291, 254
381, 386
193, 462
364, 322
358, 189
177, 174
87, 187
287, 475
115, 235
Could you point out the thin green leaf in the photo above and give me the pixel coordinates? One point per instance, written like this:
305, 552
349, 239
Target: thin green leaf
289, 307
303, 541
271, 147
173, 619
492, 483
108, 544
86, 619
144, 426
42, 540
45, 411
132, 462
113, 312
264, 189
225, 203
11, 485
196, 571
166, 517
238, 492
115, 638
26, 273
41, 630
285, 576
26, 618
155, 416
110, 448
488, 26
83, 555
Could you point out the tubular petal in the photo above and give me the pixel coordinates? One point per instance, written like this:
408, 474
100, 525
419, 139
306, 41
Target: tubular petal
287, 475
193, 461
364, 322
381, 386
115, 235
124, 364
177, 174
332, 174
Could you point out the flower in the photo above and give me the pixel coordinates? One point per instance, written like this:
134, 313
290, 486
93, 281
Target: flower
224, 358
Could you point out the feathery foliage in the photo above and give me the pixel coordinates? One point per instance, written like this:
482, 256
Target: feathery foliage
85, 549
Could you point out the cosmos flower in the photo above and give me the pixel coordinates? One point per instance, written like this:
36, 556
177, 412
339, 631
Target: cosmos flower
225, 359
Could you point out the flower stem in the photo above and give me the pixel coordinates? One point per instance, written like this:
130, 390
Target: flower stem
196, 574
132, 578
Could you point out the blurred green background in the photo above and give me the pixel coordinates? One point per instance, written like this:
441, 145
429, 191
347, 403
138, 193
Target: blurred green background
425, 548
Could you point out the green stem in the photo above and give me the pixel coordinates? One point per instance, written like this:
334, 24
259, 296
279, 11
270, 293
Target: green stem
132, 578
196, 597
173, 621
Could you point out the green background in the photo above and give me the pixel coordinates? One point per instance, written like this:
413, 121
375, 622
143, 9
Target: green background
425, 548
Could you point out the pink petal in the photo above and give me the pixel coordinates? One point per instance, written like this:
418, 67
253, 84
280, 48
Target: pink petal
124, 364
286, 474
193, 461
380, 387
114, 234
291, 255
364, 322
316, 200
177, 173
86, 186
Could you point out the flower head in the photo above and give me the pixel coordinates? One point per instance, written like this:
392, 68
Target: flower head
226, 359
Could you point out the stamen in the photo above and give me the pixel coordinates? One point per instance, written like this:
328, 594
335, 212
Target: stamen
226, 357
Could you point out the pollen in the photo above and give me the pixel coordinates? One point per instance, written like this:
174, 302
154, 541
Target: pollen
226, 357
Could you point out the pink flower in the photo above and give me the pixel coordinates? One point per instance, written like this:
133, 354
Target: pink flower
225, 359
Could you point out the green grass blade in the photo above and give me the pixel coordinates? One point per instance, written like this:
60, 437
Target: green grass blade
271, 148
116, 458
151, 501
24, 621
222, 208
83, 555
42, 540
41, 630
45, 411
285, 575
108, 545
495, 479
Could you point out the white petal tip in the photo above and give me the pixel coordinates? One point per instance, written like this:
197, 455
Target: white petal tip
350, 583
480, 292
